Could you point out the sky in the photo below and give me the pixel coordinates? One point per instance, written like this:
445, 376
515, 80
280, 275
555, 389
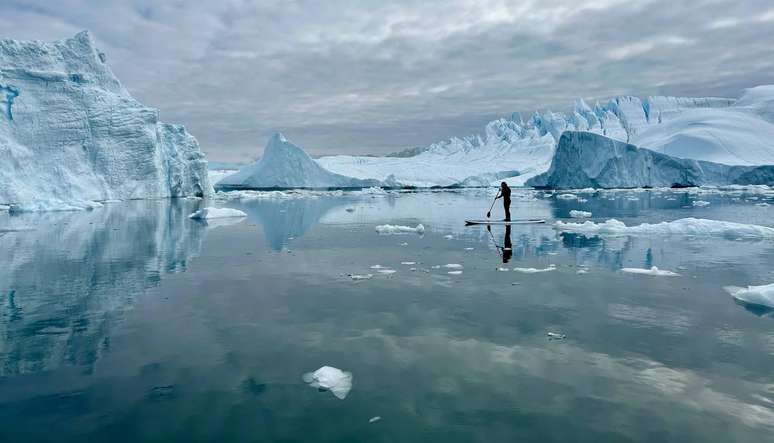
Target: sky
346, 76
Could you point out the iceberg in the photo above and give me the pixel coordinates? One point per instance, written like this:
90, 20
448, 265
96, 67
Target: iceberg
284, 166
71, 134
754, 295
588, 160
683, 226
330, 379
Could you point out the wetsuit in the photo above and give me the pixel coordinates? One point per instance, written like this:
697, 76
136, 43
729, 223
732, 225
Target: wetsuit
506, 192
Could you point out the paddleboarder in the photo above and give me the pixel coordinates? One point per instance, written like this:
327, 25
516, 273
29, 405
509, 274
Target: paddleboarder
505, 194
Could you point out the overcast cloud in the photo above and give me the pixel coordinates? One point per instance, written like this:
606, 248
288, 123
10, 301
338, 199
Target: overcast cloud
346, 76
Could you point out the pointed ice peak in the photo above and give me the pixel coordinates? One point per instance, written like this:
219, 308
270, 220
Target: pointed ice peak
516, 117
277, 137
581, 106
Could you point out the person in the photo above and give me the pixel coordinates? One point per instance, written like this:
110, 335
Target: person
505, 194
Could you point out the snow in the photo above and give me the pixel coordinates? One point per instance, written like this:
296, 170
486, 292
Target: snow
285, 165
71, 134
754, 295
579, 214
652, 271
214, 213
398, 229
331, 379
584, 159
683, 226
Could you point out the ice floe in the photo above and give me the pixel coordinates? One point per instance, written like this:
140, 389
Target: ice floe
683, 226
453, 266
398, 229
556, 336
535, 270
212, 213
454, 272
700, 203
331, 379
361, 276
579, 214
652, 271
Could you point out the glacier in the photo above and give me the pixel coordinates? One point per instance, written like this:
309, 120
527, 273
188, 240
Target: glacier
720, 130
588, 160
72, 135
285, 166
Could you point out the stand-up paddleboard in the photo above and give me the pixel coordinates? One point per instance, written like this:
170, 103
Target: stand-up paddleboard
503, 222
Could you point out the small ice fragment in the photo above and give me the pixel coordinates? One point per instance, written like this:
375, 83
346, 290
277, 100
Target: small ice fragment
404, 244
374, 419
408, 263
360, 276
386, 271
700, 203
211, 213
398, 229
503, 269
556, 336
454, 272
453, 266
754, 295
652, 271
582, 271
567, 197
579, 214
448, 237
436, 267
330, 379
377, 267
535, 270
350, 209
469, 249
763, 205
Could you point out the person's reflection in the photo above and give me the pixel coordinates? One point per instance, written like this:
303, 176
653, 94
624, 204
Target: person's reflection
507, 249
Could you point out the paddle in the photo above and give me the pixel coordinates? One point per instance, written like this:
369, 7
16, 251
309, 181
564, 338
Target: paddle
489, 212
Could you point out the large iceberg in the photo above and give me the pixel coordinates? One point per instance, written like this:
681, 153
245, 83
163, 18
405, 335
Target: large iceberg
720, 130
587, 160
285, 165
71, 134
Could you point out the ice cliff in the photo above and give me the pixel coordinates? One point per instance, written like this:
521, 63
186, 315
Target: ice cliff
588, 160
721, 130
285, 165
71, 134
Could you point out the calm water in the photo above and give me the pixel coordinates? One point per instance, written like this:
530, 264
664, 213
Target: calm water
133, 323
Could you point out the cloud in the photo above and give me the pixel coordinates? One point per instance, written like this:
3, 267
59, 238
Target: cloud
372, 76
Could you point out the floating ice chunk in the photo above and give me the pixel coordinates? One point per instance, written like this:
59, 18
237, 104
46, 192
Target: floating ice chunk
683, 226
374, 419
503, 269
211, 213
763, 205
582, 271
754, 295
360, 276
330, 379
398, 229
454, 272
408, 263
453, 266
535, 270
700, 203
652, 271
448, 236
556, 336
579, 214
567, 197
386, 271
378, 267
469, 249
4, 208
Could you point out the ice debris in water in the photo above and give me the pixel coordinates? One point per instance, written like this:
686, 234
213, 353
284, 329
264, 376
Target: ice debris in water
534, 270
360, 276
330, 379
652, 271
469, 249
374, 419
579, 214
211, 213
377, 267
683, 226
582, 271
398, 229
503, 269
453, 266
448, 236
454, 272
386, 271
700, 203
567, 197
408, 262
754, 295
556, 336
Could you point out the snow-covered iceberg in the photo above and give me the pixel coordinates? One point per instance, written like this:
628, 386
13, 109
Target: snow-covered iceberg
588, 160
71, 134
720, 130
285, 165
